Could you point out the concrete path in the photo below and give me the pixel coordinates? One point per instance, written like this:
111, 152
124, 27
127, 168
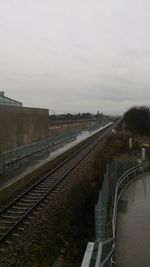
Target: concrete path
133, 225
29, 164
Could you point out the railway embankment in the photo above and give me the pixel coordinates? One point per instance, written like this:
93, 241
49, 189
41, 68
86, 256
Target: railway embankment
59, 231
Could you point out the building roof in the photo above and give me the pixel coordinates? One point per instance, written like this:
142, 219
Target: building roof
5, 101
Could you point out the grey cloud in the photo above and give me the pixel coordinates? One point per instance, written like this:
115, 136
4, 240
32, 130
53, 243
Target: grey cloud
75, 56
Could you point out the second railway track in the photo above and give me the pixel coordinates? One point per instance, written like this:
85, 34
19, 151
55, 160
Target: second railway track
17, 211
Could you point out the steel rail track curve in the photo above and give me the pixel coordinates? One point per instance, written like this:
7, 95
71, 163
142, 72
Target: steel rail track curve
20, 208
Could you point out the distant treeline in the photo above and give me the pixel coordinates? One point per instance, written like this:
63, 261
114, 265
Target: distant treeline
137, 120
79, 116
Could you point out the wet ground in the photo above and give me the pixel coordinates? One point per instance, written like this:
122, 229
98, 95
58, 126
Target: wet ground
133, 225
30, 163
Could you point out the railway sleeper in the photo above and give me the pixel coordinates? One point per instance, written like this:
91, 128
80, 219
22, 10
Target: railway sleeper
11, 217
20, 228
15, 234
9, 242
27, 200
26, 222
43, 204
35, 194
22, 205
15, 211
39, 191
2, 250
2, 227
41, 186
3, 222
33, 197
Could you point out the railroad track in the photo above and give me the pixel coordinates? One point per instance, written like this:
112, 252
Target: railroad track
17, 211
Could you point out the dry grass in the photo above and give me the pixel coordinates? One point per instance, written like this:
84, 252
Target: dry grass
114, 147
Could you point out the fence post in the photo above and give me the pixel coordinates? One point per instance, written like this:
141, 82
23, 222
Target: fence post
143, 153
1, 162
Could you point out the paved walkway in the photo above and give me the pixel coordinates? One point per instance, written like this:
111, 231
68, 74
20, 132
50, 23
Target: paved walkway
133, 225
29, 164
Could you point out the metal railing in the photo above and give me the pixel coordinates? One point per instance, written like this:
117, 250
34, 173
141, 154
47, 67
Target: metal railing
21, 152
99, 254
14, 155
119, 174
123, 181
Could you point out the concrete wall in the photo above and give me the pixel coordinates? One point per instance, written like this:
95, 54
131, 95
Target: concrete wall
22, 126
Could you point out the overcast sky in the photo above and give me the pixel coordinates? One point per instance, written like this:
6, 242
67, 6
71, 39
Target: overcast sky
76, 55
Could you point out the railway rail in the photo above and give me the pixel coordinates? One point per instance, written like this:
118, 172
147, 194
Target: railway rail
21, 208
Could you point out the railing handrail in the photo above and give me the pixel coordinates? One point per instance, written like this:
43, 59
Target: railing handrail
119, 183
125, 178
39, 142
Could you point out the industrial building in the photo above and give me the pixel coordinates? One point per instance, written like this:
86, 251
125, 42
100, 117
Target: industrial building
21, 125
5, 101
